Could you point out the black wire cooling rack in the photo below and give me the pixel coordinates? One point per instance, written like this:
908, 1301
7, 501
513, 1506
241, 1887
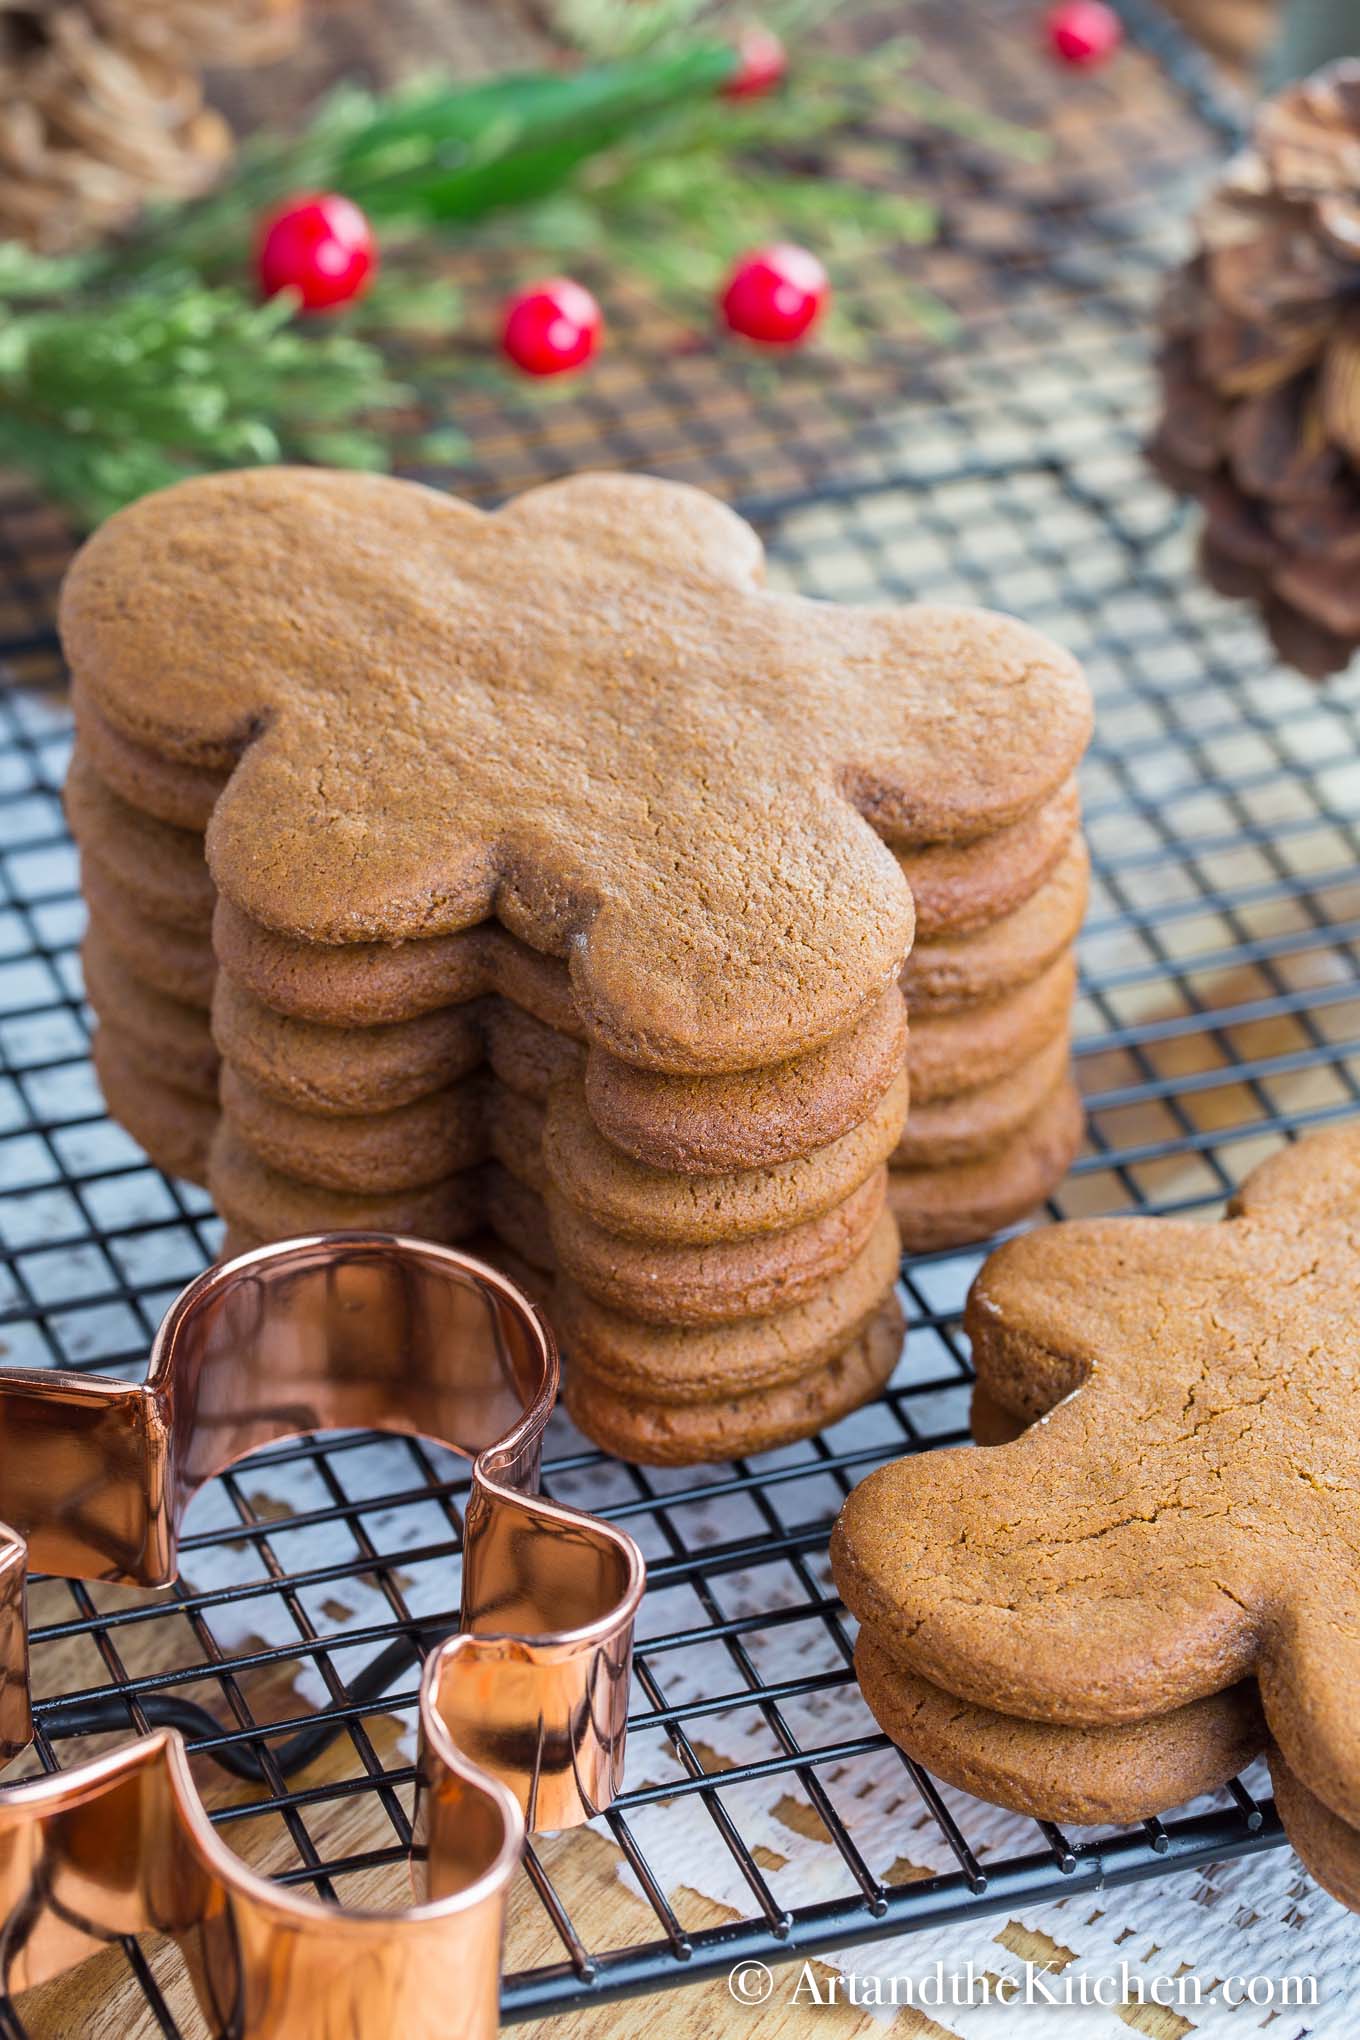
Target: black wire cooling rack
1220, 1012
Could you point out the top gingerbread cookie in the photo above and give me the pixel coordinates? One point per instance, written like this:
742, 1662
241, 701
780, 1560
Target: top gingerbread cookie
582, 714
1186, 1514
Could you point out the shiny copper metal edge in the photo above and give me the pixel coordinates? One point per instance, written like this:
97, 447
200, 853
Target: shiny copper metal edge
522, 1714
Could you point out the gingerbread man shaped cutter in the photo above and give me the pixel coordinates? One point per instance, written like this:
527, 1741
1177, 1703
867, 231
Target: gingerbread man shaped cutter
522, 1713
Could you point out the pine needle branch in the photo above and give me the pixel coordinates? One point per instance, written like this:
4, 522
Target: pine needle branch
128, 367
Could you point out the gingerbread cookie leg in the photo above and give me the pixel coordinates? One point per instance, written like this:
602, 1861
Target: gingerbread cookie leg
1125, 1773
1327, 1846
731, 1426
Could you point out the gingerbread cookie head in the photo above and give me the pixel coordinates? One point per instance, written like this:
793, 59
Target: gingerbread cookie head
1186, 1512
582, 714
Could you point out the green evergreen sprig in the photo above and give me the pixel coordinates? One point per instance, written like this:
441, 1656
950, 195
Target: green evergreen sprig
150, 359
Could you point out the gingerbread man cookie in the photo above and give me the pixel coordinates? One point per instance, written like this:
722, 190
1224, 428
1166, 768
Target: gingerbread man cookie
1181, 1513
582, 715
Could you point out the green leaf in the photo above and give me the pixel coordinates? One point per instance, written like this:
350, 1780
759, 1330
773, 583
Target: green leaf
24, 275
103, 400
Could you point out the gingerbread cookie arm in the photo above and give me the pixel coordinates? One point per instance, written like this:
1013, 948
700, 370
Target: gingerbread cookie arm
343, 847
1019, 719
191, 614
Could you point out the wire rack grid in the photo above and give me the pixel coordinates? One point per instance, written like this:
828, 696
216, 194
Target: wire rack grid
1219, 1013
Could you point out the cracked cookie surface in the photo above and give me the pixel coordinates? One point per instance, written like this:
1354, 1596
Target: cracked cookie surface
1182, 1512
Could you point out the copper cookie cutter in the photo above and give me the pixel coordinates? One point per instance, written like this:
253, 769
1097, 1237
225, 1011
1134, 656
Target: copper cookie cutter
522, 1714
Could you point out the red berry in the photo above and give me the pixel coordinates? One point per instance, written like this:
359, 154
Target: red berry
552, 327
322, 247
761, 64
775, 295
1084, 32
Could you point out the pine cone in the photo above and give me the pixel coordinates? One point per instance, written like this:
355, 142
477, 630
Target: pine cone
1260, 368
101, 106
201, 33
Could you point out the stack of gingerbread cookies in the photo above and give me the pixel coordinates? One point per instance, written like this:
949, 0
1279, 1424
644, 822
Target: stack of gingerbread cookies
995, 1116
526, 873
